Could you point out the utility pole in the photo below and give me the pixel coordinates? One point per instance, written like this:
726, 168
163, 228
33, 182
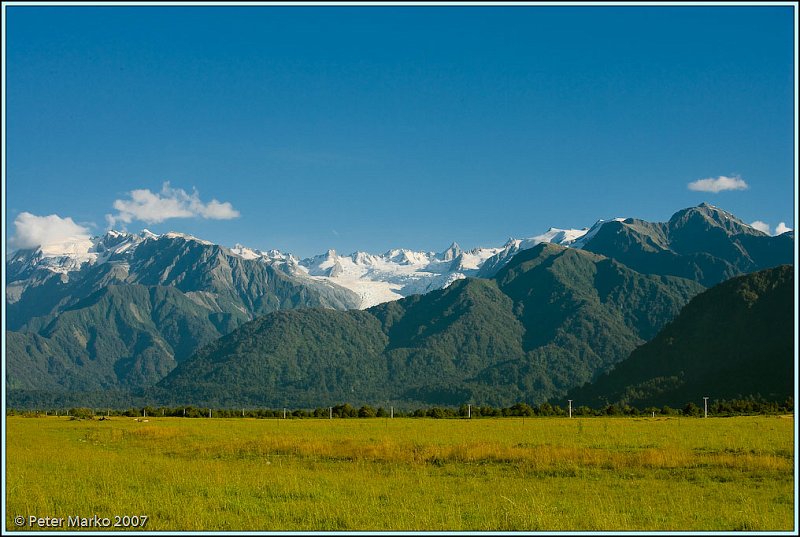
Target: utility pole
570, 407
705, 407
330, 412
469, 411
284, 413
392, 412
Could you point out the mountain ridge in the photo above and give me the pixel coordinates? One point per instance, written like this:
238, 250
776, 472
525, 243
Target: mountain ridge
669, 248
57, 297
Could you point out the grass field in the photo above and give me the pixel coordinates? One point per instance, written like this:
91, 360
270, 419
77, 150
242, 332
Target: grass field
407, 474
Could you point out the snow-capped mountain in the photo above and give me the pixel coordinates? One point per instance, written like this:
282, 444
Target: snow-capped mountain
378, 278
72, 254
374, 278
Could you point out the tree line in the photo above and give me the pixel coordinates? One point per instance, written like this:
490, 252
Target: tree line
735, 407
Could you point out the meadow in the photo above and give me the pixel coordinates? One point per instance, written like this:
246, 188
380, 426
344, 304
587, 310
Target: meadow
521, 474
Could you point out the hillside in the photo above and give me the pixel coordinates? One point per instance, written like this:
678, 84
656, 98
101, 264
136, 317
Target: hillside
122, 336
126, 323
733, 340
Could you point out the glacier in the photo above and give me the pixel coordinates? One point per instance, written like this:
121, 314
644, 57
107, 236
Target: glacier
375, 278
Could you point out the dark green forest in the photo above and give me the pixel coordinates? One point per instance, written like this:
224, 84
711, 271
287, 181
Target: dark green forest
734, 340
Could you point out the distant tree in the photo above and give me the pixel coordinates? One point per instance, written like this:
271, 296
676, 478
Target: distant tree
522, 409
490, 411
366, 411
651, 410
691, 409
192, 412
345, 411
81, 413
436, 412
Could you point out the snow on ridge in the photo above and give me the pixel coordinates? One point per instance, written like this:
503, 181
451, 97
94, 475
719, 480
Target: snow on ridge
592, 231
376, 278
564, 237
475, 258
185, 236
73, 247
72, 254
400, 272
245, 253
269, 257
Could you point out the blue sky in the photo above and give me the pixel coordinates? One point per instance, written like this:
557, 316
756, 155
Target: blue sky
368, 128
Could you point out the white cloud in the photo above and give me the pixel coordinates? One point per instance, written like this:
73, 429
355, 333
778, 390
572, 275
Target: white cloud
719, 184
153, 208
32, 230
216, 210
761, 226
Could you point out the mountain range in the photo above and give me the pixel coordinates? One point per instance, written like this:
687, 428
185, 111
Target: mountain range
123, 311
551, 319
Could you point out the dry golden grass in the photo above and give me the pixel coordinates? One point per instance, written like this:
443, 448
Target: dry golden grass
408, 474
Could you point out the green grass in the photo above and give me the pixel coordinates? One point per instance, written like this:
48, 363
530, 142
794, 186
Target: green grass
408, 474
